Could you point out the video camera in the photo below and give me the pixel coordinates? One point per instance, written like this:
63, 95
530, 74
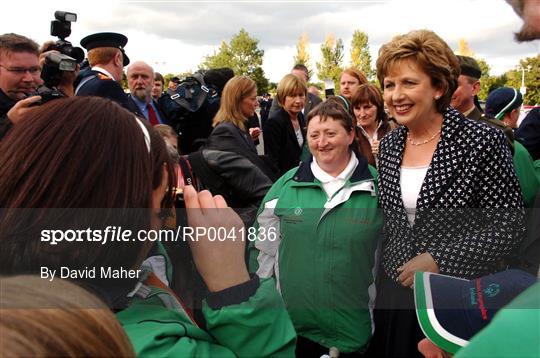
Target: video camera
56, 64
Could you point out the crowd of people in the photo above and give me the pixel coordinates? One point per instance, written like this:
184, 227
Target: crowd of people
393, 219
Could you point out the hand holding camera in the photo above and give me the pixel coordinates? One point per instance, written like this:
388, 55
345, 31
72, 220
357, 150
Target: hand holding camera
21, 107
220, 263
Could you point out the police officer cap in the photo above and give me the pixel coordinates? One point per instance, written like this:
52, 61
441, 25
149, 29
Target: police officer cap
503, 100
106, 39
469, 67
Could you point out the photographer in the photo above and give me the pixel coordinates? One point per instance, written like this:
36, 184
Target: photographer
68, 77
19, 76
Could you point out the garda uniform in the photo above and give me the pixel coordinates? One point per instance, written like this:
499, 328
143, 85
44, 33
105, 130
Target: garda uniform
97, 81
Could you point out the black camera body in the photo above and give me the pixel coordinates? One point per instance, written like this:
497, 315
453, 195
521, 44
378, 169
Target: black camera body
47, 94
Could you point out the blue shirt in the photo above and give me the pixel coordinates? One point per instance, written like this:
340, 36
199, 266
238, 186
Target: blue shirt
144, 109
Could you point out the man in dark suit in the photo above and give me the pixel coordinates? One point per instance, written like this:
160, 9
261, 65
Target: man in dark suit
300, 71
264, 104
140, 79
107, 59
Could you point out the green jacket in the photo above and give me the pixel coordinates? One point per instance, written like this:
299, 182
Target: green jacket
324, 253
526, 173
247, 320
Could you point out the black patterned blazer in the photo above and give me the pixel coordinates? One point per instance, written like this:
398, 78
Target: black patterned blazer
469, 211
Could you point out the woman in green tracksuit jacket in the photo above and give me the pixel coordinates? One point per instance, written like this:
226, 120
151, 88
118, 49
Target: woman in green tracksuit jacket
318, 230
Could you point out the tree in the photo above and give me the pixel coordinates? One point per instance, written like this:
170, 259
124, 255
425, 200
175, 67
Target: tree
486, 81
123, 81
464, 49
302, 54
332, 57
221, 58
263, 84
531, 66
243, 56
360, 57
491, 83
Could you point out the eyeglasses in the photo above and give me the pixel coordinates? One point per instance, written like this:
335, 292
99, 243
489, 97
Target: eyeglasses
21, 70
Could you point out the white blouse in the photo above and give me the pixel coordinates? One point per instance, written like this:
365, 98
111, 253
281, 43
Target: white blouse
299, 137
411, 180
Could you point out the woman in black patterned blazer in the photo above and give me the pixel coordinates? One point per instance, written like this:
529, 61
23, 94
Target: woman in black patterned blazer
448, 189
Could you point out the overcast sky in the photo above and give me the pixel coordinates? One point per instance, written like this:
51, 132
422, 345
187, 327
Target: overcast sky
174, 36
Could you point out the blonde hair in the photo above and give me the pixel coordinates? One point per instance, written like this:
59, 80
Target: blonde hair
430, 53
58, 318
290, 85
101, 55
236, 89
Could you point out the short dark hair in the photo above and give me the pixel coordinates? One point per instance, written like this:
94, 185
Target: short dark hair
302, 67
469, 67
159, 77
17, 43
335, 110
368, 93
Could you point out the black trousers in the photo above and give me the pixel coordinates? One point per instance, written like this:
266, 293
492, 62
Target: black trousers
397, 331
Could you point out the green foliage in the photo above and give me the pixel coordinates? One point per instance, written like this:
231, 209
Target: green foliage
485, 80
512, 78
360, 57
330, 66
263, 84
243, 56
123, 81
272, 87
489, 84
532, 79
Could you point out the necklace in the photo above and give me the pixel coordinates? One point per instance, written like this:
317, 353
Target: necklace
424, 141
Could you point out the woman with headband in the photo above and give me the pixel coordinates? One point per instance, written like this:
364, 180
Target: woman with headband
93, 168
